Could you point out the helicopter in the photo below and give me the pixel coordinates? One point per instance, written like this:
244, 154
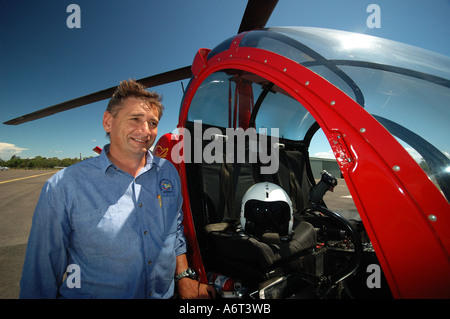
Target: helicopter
266, 92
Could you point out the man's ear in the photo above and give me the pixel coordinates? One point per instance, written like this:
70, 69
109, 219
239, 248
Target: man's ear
107, 121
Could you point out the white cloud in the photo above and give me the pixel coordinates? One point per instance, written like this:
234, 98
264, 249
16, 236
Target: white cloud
7, 150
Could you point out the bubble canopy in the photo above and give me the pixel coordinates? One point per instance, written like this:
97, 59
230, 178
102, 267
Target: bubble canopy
405, 88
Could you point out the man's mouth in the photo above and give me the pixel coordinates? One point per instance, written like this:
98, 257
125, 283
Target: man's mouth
139, 140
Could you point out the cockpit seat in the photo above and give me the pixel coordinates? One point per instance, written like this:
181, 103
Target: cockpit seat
237, 253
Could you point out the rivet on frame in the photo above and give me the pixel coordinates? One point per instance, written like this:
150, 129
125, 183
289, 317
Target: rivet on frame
362, 130
432, 217
307, 83
284, 70
248, 57
333, 102
396, 168
265, 61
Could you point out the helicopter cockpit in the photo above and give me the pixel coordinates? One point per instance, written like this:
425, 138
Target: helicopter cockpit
249, 119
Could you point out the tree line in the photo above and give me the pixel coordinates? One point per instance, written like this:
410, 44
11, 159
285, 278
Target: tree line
38, 162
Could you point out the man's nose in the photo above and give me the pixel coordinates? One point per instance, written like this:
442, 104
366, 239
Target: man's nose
145, 127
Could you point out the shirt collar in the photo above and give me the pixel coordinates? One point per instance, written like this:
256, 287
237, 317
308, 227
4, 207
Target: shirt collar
105, 162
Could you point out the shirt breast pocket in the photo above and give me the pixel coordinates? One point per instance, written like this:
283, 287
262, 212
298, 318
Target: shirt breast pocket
170, 212
102, 232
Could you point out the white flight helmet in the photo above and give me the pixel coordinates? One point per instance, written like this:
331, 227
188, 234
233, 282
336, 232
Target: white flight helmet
267, 208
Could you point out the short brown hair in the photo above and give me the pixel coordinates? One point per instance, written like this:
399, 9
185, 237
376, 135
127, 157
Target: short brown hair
131, 88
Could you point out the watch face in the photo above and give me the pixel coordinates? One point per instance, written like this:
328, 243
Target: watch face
191, 273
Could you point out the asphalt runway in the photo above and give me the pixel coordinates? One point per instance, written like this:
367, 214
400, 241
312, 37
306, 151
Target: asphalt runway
19, 193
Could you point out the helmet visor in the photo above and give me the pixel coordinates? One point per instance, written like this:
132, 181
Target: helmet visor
267, 217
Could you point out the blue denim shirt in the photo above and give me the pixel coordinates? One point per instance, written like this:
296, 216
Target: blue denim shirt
123, 233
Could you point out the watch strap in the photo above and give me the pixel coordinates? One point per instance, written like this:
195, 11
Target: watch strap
185, 273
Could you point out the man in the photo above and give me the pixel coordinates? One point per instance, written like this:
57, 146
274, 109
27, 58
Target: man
113, 222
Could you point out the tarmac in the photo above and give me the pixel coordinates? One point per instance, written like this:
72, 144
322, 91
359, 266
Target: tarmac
19, 193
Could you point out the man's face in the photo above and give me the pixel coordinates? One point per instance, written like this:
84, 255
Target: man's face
134, 128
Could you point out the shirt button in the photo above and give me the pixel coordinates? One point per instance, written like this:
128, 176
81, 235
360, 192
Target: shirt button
145, 232
140, 205
149, 293
149, 262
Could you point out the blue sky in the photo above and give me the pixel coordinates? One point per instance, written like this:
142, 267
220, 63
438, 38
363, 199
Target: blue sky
43, 62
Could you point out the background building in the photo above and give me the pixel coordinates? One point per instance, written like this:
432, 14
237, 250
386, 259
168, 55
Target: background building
320, 164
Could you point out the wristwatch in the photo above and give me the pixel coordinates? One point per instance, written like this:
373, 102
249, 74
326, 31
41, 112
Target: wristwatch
186, 273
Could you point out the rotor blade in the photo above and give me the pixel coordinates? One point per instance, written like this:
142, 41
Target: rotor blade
151, 81
256, 14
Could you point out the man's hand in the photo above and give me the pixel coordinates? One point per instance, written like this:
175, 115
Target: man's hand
189, 288
192, 289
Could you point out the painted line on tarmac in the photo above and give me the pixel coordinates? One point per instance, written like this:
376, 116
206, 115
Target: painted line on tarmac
18, 179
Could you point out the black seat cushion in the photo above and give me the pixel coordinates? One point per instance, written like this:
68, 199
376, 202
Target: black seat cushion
257, 254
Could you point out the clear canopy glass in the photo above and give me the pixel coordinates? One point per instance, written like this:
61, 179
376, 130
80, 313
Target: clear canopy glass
405, 88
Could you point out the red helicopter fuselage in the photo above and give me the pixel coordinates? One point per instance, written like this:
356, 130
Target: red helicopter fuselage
405, 215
